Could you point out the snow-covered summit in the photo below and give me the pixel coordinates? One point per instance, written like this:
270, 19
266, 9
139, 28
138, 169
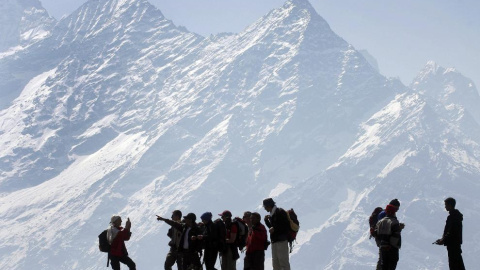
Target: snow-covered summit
22, 22
120, 111
449, 87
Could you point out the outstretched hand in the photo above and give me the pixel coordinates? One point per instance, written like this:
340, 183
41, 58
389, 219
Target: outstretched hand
160, 218
439, 242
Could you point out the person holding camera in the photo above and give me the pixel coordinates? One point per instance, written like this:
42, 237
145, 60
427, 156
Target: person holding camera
452, 236
116, 236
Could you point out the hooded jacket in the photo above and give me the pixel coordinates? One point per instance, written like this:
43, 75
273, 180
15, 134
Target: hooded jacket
452, 234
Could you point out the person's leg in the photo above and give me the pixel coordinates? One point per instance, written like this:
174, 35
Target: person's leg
115, 262
210, 258
258, 260
455, 260
170, 260
129, 262
283, 255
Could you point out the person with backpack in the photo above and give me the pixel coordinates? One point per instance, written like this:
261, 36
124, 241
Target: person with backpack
229, 257
116, 236
189, 247
452, 236
211, 240
388, 231
175, 236
256, 244
279, 228
394, 202
372, 221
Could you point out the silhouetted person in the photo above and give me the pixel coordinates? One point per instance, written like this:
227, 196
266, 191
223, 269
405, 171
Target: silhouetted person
175, 235
256, 241
452, 236
389, 234
279, 227
116, 236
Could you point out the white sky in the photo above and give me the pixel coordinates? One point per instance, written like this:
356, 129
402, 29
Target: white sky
401, 34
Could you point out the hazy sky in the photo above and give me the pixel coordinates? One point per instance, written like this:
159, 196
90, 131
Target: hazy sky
401, 34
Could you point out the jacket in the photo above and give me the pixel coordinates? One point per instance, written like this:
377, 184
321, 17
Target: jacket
452, 234
118, 247
257, 237
389, 232
193, 245
279, 221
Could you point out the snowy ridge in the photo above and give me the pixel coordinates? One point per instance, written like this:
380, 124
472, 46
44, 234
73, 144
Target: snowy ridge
22, 22
121, 111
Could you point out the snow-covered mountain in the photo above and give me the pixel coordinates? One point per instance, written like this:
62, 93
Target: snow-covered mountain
22, 22
120, 111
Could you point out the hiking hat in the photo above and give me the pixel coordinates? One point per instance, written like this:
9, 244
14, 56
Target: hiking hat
226, 213
207, 216
191, 216
268, 202
114, 218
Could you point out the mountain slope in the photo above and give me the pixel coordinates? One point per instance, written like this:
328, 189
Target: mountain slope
127, 113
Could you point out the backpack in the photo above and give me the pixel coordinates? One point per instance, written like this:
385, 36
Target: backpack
242, 233
103, 244
372, 221
221, 231
294, 227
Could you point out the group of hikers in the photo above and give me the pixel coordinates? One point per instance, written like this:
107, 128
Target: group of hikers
386, 230
223, 237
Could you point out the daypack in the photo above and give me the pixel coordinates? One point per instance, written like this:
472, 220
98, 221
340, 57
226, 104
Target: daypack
242, 233
294, 227
222, 232
103, 244
372, 221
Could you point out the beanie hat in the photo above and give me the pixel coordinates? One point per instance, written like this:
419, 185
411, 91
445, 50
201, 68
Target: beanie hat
206, 216
395, 202
391, 209
268, 202
113, 219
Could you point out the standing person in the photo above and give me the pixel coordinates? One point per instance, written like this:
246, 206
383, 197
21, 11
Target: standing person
256, 241
229, 257
189, 247
247, 215
116, 236
279, 227
175, 236
452, 236
211, 239
389, 234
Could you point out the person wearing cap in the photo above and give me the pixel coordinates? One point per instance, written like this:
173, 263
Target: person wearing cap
279, 227
211, 241
175, 236
452, 236
390, 239
228, 258
116, 236
256, 241
393, 202
189, 247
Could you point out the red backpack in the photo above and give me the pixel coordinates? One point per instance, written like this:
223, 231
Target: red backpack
294, 227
